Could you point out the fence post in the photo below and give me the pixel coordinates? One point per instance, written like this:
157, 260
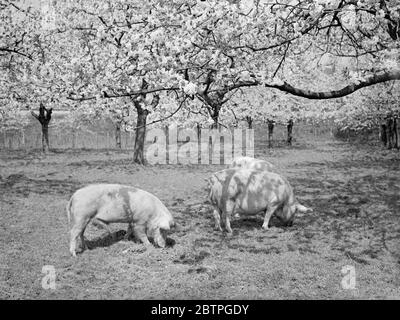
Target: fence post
22, 139
73, 138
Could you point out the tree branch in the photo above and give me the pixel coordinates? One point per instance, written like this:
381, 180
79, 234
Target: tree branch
120, 95
16, 52
167, 117
349, 89
35, 115
380, 77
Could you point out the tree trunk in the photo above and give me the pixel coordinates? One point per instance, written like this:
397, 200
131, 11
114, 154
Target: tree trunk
44, 118
73, 138
45, 138
249, 122
271, 124
215, 124
289, 132
395, 132
383, 134
391, 129
140, 135
140, 131
118, 135
198, 128
215, 117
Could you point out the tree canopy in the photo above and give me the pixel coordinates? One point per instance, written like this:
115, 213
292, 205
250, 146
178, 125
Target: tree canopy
95, 53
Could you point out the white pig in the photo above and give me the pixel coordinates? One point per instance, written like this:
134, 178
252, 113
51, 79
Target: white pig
115, 203
247, 192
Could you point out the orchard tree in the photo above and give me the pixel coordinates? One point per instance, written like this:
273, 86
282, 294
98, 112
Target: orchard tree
18, 37
103, 50
121, 117
118, 50
376, 109
23, 80
365, 33
20, 46
269, 107
275, 43
360, 39
44, 118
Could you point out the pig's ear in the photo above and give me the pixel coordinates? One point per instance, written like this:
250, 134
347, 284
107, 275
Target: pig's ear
172, 224
302, 208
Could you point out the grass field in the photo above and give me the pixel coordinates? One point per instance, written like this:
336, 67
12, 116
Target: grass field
354, 191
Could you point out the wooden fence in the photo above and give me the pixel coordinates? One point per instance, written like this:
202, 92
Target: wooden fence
30, 138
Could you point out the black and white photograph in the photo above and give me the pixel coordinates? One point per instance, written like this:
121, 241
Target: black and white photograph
200, 150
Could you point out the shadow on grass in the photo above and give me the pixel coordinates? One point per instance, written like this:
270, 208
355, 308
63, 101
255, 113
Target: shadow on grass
192, 258
110, 239
106, 241
253, 249
21, 184
255, 222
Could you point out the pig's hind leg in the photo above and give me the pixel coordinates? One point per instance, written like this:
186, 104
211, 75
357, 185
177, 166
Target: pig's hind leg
129, 231
77, 233
268, 214
227, 213
217, 218
102, 225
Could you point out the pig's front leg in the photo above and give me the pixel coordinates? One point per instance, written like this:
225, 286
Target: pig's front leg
268, 215
129, 231
140, 233
159, 239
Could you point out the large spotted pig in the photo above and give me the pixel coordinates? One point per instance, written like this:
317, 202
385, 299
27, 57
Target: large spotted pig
115, 203
246, 162
247, 192
252, 163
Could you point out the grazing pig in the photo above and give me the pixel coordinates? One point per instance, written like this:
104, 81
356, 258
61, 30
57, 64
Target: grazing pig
252, 163
247, 191
107, 203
